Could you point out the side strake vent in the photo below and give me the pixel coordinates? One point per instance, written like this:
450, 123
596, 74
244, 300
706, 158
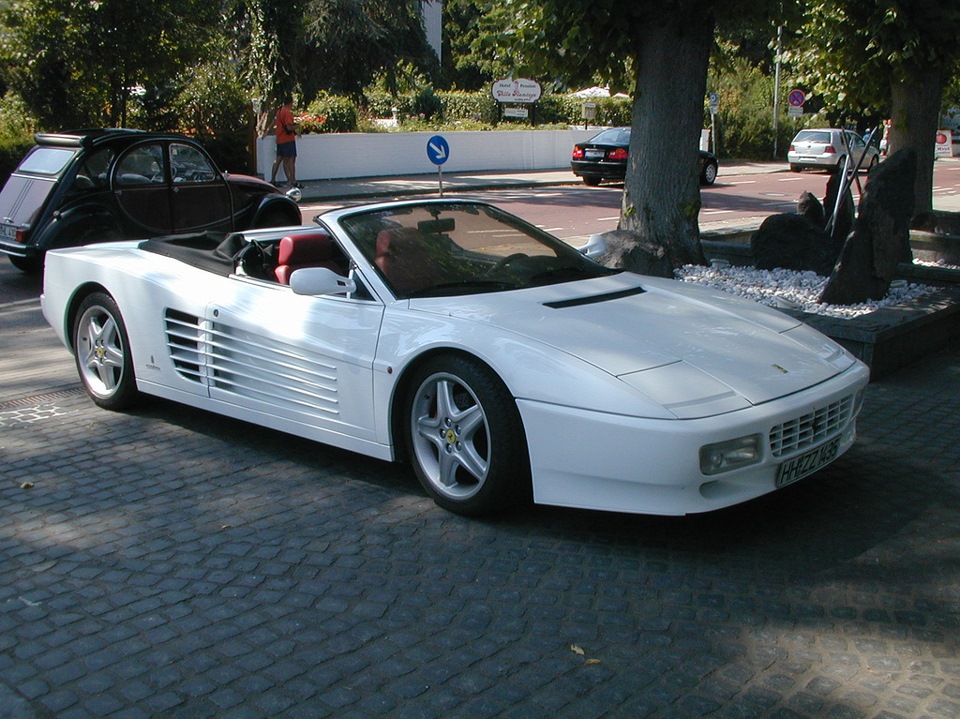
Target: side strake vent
184, 338
231, 360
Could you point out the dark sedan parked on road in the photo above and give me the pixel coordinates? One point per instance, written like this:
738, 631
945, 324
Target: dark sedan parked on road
604, 157
86, 186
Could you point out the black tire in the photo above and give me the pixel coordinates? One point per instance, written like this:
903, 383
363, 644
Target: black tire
795, 168
591, 181
465, 438
27, 265
709, 174
102, 353
838, 168
874, 161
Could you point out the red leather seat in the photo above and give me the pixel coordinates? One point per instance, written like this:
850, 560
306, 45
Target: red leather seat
404, 262
316, 249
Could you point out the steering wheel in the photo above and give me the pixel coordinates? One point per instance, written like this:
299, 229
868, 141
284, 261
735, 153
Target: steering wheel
504, 261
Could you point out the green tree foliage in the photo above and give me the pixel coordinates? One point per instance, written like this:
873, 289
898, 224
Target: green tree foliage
348, 42
306, 47
473, 56
76, 62
889, 57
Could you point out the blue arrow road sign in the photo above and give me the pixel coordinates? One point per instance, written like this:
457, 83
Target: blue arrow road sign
438, 150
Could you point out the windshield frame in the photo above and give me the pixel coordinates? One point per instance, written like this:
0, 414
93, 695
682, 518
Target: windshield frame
460, 247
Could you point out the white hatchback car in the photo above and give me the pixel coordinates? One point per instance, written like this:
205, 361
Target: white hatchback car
825, 148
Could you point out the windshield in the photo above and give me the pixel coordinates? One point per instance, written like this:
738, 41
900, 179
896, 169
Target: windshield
46, 160
461, 248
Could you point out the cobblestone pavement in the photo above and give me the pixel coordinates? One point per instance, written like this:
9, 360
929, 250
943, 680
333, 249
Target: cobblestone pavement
170, 563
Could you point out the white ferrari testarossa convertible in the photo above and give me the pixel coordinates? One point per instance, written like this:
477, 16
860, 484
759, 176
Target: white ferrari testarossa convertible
499, 361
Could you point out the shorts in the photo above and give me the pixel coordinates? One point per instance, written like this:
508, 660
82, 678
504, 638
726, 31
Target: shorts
287, 149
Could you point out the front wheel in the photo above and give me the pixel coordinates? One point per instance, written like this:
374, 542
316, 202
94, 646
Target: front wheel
465, 437
102, 352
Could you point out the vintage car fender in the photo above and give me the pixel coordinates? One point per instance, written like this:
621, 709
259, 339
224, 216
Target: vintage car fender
277, 204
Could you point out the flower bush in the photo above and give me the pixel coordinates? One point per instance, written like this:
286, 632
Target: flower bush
310, 124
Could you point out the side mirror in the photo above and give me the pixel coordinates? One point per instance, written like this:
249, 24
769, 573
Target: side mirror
320, 281
294, 194
594, 248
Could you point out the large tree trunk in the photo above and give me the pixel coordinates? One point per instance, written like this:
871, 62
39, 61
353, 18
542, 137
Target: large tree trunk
661, 196
915, 112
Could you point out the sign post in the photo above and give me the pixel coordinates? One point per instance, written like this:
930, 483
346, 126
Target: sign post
714, 106
437, 152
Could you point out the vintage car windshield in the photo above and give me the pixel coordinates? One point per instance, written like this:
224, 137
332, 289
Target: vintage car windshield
47, 160
460, 248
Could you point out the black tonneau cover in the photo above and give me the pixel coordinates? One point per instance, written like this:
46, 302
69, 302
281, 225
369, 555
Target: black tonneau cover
217, 252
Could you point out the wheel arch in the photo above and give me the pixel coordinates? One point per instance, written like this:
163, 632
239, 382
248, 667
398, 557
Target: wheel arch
73, 307
277, 205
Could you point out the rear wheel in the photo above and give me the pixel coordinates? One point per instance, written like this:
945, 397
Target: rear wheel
275, 218
465, 437
29, 265
709, 174
874, 161
591, 181
102, 352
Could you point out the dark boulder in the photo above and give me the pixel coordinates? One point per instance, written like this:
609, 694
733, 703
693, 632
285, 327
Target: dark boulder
881, 237
846, 211
809, 206
793, 242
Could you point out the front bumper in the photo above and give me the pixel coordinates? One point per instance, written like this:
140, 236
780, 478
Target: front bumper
580, 458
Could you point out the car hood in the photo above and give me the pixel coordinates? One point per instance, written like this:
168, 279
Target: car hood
628, 325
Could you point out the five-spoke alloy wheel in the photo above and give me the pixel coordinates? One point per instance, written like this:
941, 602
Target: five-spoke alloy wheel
465, 436
102, 353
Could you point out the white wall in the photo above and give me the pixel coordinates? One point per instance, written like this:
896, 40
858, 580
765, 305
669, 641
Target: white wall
329, 156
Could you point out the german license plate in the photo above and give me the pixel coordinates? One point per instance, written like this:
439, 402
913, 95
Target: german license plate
8, 231
808, 463
594, 154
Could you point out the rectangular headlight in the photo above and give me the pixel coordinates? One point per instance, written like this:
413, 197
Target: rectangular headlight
731, 454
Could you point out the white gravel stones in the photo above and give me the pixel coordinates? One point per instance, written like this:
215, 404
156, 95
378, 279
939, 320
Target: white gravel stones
785, 289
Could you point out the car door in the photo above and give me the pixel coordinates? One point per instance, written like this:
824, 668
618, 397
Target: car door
303, 364
139, 185
199, 196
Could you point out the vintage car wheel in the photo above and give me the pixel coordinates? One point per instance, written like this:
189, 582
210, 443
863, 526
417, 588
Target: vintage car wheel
29, 265
102, 353
465, 437
274, 218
